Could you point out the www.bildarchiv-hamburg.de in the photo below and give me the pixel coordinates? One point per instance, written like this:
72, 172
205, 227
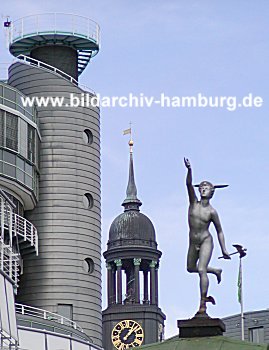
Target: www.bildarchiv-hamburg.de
231, 103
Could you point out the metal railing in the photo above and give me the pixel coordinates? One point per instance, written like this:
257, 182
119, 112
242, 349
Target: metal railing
9, 262
25, 229
46, 315
16, 225
39, 64
55, 23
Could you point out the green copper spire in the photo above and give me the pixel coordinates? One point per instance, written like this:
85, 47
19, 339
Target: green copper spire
131, 202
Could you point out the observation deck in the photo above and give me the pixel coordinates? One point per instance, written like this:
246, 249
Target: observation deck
56, 29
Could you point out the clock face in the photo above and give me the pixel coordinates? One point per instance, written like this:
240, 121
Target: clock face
127, 334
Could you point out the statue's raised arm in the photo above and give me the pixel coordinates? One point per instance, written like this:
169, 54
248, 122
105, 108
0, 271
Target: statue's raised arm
191, 191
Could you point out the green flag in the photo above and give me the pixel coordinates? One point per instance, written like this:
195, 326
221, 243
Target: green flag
239, 283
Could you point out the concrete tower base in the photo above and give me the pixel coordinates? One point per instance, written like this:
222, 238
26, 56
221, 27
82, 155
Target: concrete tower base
62, 57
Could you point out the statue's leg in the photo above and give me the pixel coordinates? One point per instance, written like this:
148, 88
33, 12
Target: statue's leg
204, 258
216, 272
192, 258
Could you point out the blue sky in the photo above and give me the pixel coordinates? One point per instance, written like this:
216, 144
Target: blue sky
182, 48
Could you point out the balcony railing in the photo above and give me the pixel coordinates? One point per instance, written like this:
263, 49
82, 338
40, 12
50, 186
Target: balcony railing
46, 315
39, 64
25, 229
55, 23
14, 225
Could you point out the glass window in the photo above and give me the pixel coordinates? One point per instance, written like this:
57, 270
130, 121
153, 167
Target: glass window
31, 340
19, 103
12, 131
31, 143
9, 170
35, 182
10, 104
9, 157
66, 310
2, 127
20, 163
79, 346
20, 175
30, 110
23, 138
3, 306
57, 343
28, 169
28, 181
38, 143
9, 94
256, 335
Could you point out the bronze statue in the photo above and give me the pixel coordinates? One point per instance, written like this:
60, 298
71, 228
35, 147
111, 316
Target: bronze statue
200, 216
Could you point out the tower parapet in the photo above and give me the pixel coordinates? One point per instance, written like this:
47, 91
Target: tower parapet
64, 41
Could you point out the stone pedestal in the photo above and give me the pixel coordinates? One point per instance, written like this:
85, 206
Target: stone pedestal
200, 326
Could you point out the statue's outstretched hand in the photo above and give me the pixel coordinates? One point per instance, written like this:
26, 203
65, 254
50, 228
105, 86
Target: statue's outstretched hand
226, 255
187, 163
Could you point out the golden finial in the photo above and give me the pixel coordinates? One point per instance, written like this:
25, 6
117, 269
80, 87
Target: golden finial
131, 142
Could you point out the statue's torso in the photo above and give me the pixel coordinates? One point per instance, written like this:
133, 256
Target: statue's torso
199, 221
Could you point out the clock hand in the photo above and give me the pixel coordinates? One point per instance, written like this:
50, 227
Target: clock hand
131, 330
127, 335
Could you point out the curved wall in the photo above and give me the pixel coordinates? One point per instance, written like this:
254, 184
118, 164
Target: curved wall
69, 232
62, 57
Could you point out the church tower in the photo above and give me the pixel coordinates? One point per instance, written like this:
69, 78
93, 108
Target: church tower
132, 317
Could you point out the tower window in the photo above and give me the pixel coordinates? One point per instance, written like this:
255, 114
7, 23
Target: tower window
66, 310
88, 201
88, 136
88, 265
